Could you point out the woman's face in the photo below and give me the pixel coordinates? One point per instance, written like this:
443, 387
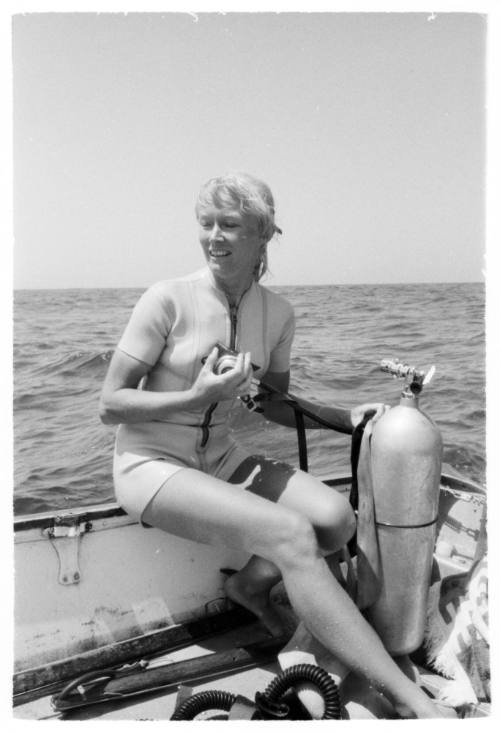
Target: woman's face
231, 243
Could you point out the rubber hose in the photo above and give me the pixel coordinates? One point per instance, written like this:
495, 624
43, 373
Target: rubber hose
212, 699
305, 672
104, 675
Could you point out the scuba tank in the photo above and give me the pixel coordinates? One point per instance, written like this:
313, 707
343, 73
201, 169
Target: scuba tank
406, 455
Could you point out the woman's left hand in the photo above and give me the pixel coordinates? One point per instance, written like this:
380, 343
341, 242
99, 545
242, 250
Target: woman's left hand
358, 413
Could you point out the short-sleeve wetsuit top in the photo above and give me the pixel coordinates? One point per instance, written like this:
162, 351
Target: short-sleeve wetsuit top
174, 325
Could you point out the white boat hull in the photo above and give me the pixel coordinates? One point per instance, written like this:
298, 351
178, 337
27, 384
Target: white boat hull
93, 577
131, 581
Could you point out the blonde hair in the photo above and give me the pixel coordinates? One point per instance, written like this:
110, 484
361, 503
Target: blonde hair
251, 196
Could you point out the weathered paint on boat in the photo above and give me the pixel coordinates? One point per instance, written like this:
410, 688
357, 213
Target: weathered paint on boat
130, 581
91, 578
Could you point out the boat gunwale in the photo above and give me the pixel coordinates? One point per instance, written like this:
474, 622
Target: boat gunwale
45, 519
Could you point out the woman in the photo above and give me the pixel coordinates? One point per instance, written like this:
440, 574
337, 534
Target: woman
177, 467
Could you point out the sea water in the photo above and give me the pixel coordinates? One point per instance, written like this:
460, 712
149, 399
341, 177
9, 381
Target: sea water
64, 339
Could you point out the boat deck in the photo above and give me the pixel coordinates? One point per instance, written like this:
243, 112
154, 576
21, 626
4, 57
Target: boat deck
360, 701
161, 705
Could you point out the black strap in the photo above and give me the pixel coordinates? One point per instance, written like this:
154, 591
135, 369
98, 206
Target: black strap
357, 437
273, 393
300, 412
300, 424
301, 439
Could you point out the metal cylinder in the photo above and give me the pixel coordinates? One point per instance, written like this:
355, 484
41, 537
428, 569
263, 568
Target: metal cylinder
406, 455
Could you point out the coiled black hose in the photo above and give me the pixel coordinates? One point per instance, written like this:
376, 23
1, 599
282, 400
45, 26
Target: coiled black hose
212, 699
282, 683
306, 672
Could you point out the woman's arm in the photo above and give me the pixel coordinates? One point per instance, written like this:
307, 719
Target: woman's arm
344, 420
122, 401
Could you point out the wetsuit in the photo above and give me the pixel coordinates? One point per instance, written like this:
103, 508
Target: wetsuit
174, 325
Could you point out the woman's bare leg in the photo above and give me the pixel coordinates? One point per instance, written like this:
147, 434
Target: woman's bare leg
328, 511
251, 587
198, 507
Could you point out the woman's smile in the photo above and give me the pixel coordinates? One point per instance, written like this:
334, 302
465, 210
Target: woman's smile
231, 243
217, 253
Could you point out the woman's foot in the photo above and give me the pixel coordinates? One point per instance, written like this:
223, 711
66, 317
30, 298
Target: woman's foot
256, 600
425, 708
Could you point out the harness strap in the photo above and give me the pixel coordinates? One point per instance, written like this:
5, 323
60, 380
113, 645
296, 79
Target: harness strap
273, 394
301, 439
357, 437
368, 557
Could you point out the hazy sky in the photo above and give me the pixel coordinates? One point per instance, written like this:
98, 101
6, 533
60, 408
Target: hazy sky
369, 127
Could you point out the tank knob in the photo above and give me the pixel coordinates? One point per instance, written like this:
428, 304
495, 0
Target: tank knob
416, 379
429, 375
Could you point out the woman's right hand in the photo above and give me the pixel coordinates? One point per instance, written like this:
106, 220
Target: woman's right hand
210, 387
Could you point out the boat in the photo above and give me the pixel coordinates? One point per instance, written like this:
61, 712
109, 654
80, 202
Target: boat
117, 621
95, 591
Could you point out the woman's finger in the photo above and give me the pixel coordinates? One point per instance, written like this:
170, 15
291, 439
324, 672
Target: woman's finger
247, 364
242, 367
381, 409
211, 359
246, 385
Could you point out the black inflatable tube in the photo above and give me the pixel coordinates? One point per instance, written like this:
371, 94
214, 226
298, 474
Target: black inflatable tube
301, 673
306, 672
212, 699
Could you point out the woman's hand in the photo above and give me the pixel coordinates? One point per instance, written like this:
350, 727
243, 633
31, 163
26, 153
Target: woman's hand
210, 387
358, 413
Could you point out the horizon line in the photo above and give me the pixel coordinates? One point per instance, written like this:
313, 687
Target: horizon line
318, 284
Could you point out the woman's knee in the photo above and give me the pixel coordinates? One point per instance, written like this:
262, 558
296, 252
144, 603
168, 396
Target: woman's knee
295, 541
330, 513
338, 523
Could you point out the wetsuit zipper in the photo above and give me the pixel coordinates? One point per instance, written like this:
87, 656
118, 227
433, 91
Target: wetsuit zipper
205, 431
233, 317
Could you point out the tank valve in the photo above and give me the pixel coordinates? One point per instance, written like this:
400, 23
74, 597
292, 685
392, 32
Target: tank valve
415, 378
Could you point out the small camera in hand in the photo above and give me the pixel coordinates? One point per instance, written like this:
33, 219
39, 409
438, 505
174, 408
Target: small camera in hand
226, 359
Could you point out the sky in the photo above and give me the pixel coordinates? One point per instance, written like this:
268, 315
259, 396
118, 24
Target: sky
369, 128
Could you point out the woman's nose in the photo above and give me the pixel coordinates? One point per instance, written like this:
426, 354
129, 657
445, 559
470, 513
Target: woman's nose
215, 233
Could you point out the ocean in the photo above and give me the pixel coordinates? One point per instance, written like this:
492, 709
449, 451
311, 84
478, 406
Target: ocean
64, 339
